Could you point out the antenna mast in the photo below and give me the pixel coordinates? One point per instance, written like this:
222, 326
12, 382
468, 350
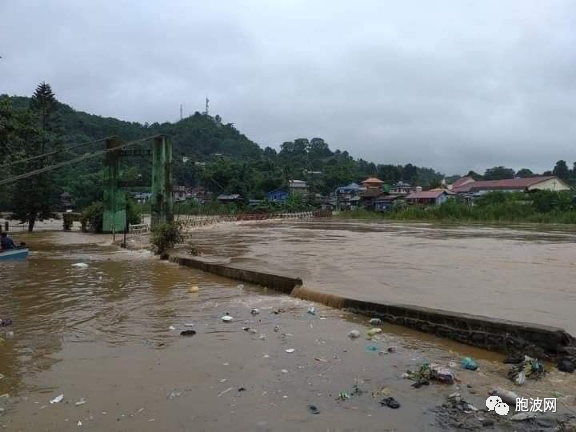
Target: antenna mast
181, 116
207, 105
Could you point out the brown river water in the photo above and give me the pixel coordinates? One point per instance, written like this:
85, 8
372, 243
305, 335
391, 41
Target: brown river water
518, 273
107, 338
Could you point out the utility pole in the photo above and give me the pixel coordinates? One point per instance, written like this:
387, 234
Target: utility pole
181, 116
207, 105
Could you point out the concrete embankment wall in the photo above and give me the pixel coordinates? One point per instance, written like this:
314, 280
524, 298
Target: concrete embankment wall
484, 332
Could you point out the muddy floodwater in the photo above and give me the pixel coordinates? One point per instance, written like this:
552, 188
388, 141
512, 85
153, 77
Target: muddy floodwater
518, 273
106, 336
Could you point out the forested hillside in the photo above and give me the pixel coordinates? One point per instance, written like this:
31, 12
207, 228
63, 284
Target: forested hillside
207, 152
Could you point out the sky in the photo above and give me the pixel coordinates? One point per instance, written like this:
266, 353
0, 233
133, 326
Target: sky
449, 84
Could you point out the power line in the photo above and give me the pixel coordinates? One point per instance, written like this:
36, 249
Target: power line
78, 159
53, 152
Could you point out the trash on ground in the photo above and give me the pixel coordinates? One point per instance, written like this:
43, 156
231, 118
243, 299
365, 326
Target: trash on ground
82, 401
428, 372
187, 332
321, 360
284, 371
528, 368
240, 286
255, 312
390, 402
278, 311
194, 289
391, 349
80, 265
225, 391
354, 334
514, 359
241, 389
343, 396
507, 396
566, 365
290, 350
1, 376
523, 416
276, 328
262, 337
5, 322
79, 423
374, 331
189, 325
372, 348
375, 321
311, 310
469, 363
57, 399
226, 317
384, 391
454, 400
313, 409
171, 328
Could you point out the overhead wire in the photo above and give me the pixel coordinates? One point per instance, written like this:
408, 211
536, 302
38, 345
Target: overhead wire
53, 152
78, 159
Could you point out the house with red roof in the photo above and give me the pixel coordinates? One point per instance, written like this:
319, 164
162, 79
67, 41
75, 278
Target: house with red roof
429, 197
526, 184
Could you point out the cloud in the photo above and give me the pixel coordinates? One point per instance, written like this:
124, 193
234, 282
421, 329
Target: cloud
450, 84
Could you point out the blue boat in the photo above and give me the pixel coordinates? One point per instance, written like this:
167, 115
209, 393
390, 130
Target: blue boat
14, 254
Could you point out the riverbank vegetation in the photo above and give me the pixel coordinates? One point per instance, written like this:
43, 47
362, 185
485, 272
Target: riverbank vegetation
537, 207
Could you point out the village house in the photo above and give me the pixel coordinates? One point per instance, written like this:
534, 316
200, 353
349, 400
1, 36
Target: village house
429, 197
385, 202
347, 197
297, 186
526, 184
402, 188
277, 195
372, 183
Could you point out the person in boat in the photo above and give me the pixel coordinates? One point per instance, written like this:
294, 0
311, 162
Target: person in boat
6, 242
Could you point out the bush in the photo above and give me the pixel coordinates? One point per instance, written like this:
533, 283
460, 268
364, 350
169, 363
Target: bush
166, 235
93, 218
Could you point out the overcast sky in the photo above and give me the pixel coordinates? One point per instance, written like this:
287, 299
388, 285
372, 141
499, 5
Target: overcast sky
450, 84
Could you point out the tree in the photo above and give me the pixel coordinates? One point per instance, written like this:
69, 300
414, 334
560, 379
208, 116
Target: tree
561, 170
474, 175
499, 173
32, 196
524, 172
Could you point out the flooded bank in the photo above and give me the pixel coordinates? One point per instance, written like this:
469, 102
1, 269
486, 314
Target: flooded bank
107, 337
516, 273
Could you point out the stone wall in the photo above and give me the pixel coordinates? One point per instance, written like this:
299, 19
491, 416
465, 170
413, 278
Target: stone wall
484, 332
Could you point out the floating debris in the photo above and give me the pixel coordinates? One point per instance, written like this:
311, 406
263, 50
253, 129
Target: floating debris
5, 322
80, 265
290, 350
225, 391
313, 409
375, 321
390, 402
171, 328
374, 331
528, 368
226, 317
174, 395
469, 363
354, 334
82, 401
57, 399
255, 312
187, 332
194, 289
311, 310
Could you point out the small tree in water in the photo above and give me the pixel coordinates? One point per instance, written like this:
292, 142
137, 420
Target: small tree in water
166, 236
